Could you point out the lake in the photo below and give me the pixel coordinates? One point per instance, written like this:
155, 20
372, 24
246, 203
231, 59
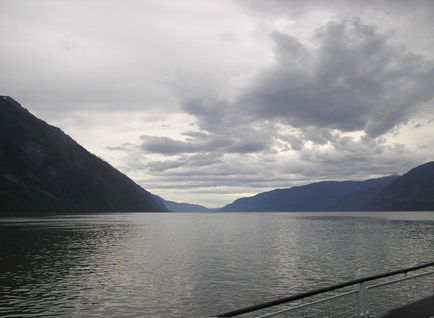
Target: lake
193, 264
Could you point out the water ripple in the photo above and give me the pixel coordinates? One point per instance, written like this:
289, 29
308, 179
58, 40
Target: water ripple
192, 265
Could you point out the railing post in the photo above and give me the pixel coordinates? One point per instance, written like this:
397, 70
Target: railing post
363, 299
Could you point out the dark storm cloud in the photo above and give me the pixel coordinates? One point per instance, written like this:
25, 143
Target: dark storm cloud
354, 78
318, 136
212, 114
350, 78
226, 141
170, 146
124, 147
199, 160
163, 165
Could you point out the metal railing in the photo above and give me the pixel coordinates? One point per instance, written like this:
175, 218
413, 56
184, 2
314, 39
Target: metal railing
373, 296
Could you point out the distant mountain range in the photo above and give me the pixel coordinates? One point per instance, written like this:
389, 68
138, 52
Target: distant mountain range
181, 206
413, 191
44, 170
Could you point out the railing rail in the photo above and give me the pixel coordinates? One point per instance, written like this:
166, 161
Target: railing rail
362, 291
311, 304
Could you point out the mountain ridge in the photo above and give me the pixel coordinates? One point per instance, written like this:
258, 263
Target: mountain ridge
42, 169
412, 191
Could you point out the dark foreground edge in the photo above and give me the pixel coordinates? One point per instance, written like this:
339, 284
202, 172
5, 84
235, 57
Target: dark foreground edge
421, 308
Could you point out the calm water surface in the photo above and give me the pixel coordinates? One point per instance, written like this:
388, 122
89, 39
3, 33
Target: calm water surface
193, 265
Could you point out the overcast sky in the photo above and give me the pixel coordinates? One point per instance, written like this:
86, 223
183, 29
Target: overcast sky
204, 101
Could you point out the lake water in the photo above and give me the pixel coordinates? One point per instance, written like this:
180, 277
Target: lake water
194, 265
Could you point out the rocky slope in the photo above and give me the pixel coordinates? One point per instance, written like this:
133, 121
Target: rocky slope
44, 170
321, 196
413, 191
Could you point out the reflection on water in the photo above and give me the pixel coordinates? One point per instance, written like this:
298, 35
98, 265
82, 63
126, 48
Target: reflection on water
193, 265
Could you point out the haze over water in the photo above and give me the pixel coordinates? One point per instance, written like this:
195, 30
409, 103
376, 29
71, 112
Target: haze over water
193, 265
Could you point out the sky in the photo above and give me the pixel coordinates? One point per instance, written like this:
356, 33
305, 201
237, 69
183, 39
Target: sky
206, 101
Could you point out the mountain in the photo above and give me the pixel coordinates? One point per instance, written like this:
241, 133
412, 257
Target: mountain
44, 170
182, 207
321, 196
413, 191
